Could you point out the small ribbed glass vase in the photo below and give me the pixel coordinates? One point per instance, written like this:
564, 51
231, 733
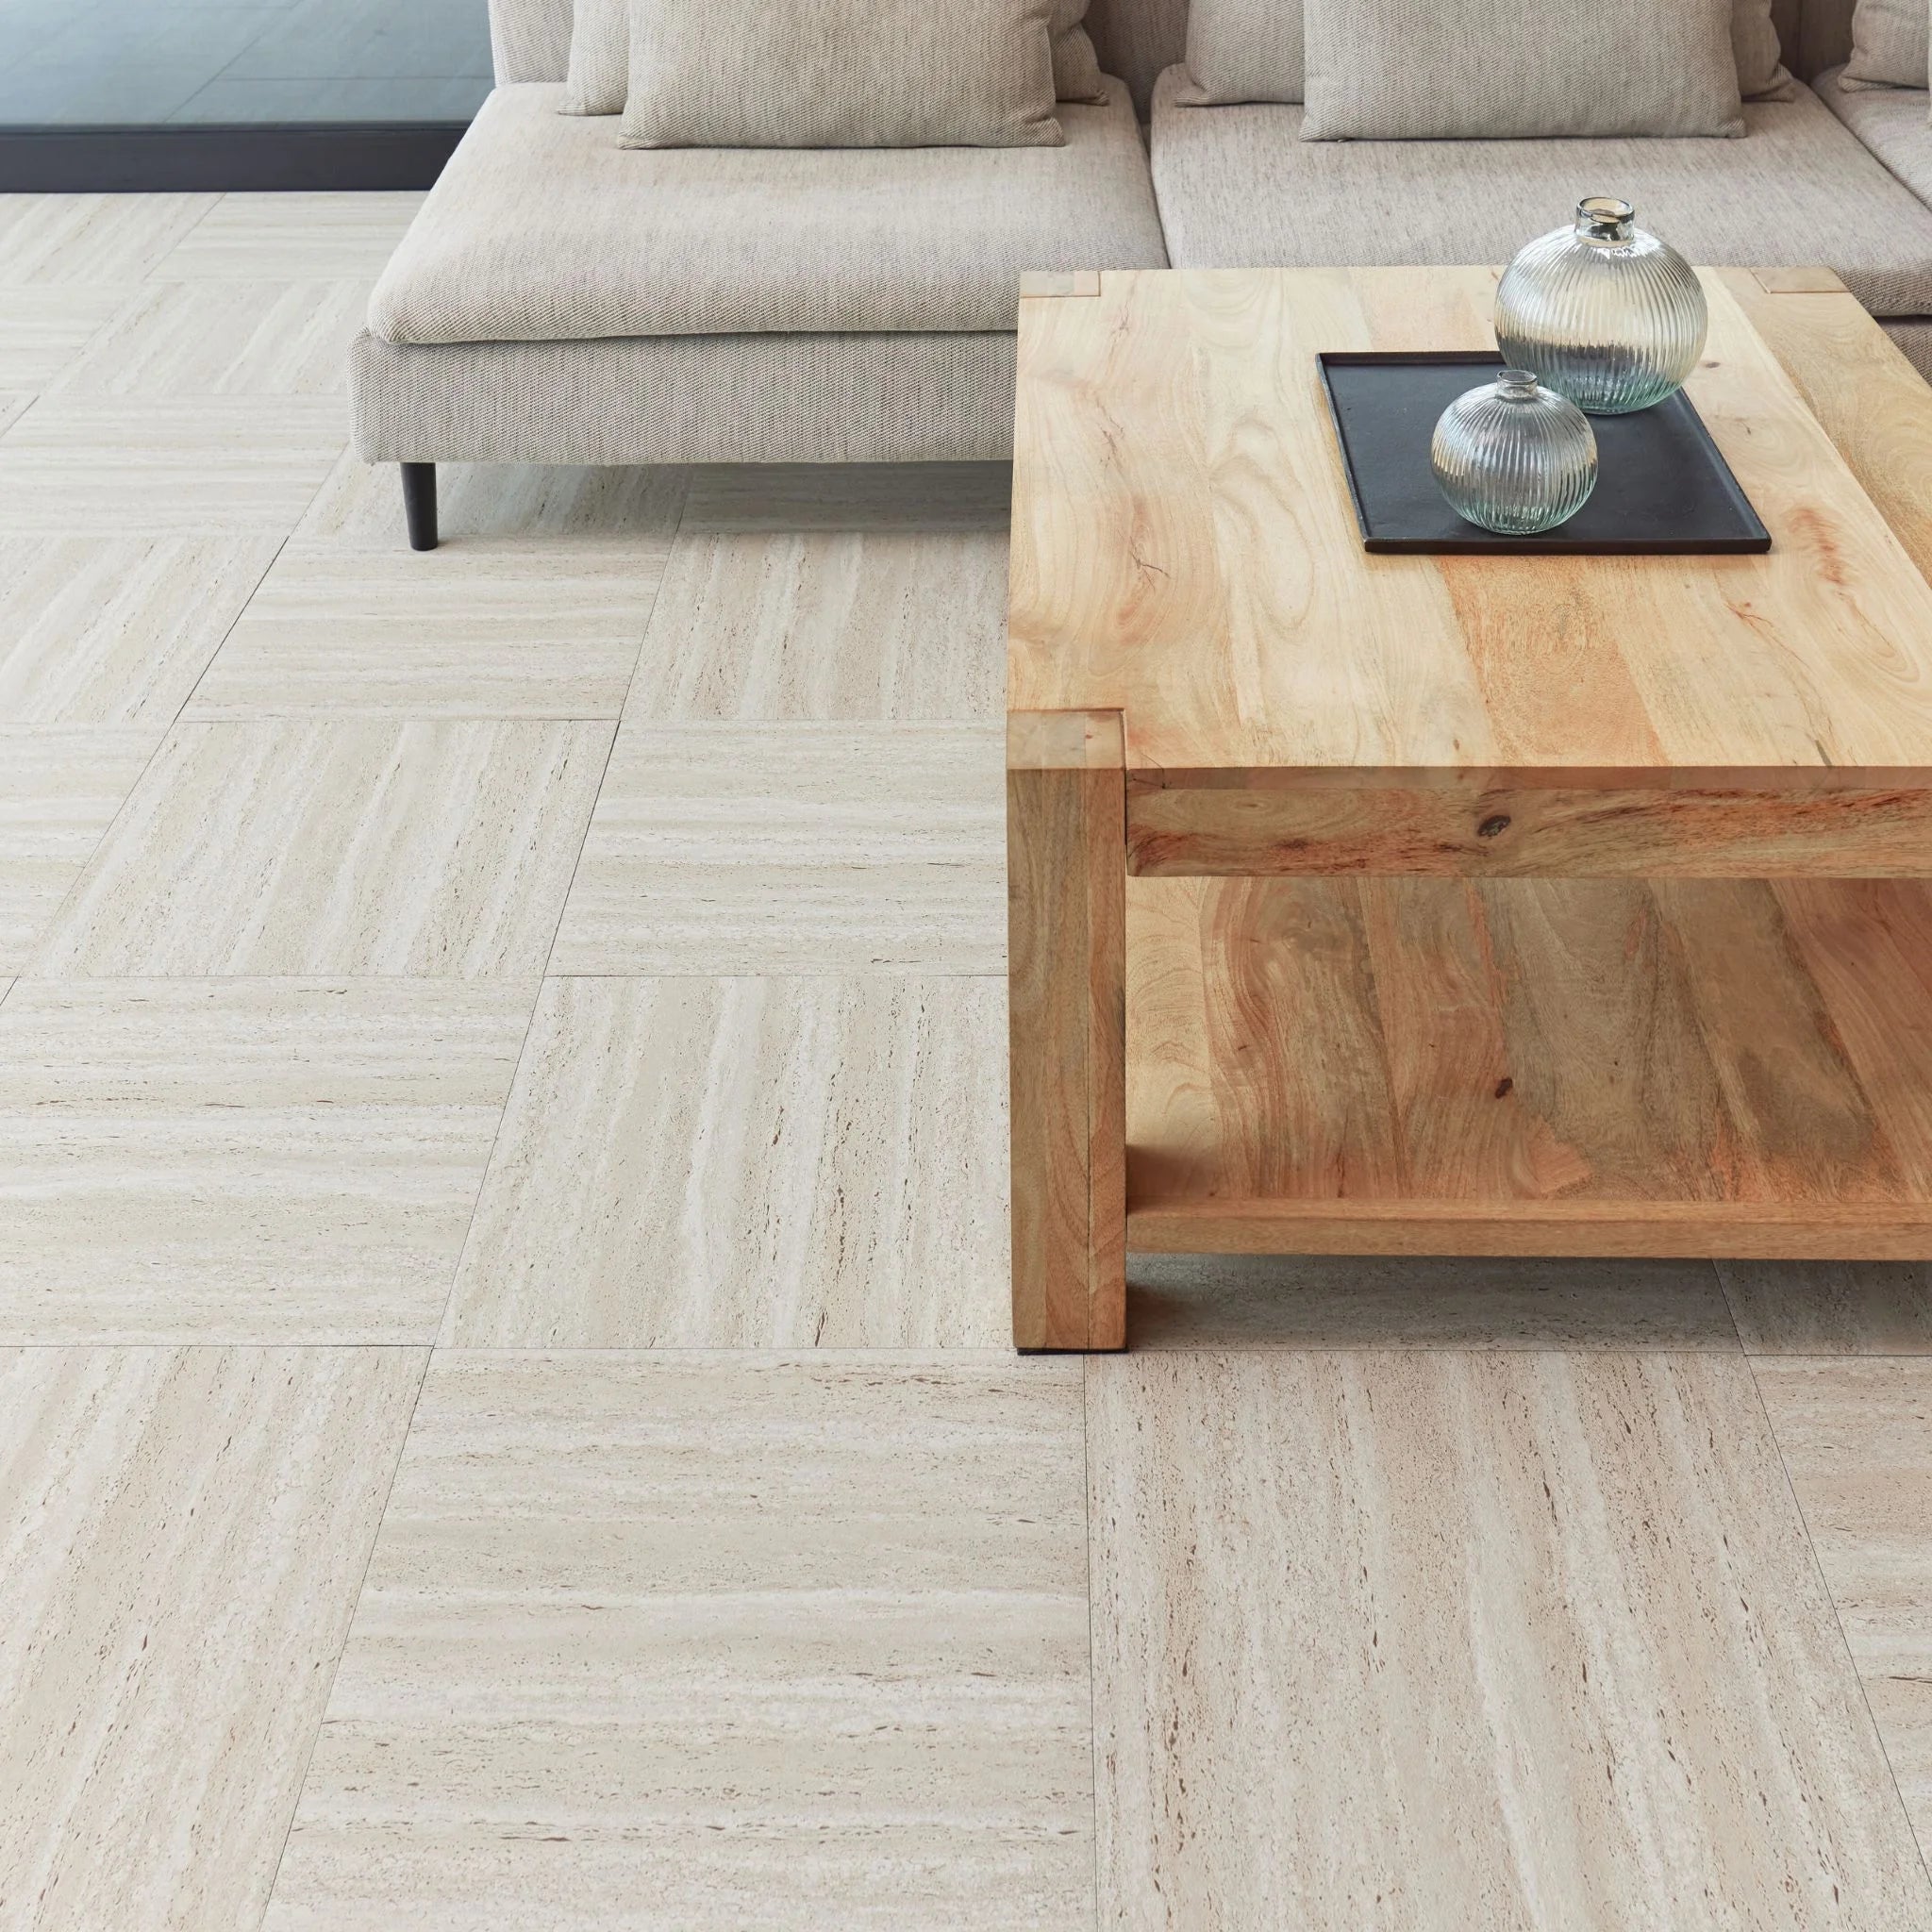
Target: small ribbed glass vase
1603, 312
1514, 456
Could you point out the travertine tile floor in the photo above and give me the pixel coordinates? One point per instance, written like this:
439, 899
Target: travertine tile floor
505, 1418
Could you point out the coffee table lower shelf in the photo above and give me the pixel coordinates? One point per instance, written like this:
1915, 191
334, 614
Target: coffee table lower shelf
1530, 1067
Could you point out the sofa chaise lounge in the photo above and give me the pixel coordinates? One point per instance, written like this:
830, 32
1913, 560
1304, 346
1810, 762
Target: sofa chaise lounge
561, 300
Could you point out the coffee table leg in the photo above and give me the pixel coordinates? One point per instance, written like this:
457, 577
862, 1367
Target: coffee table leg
1067, 935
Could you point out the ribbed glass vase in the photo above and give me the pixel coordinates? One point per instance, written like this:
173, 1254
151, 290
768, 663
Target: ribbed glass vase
1513, 456
1603, 312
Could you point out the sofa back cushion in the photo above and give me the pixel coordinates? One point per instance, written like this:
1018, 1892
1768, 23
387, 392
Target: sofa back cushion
1889, 45
598, 81
1242, 50
1136, 39
809, 73
599, 73
1252, 50
1411, 70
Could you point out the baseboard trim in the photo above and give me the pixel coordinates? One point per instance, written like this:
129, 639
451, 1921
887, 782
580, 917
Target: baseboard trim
182, 159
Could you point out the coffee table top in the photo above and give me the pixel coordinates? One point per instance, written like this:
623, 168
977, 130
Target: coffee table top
1185, 552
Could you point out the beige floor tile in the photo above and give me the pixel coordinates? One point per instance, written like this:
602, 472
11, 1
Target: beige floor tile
781, 497
60, 790
1298, 1301
203, 339
93, 238
522, 507
45, 326
484, 633
213, 466
116, 630
1395, 1641
233, 1160
828, 624
1831, 1308
1857, 1438
184, 1532
748, 1163
833, 593
338, 846
292, 238
795, 848
715, 1640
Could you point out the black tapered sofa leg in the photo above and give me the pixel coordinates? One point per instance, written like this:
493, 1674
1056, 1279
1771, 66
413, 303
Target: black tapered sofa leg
419, 504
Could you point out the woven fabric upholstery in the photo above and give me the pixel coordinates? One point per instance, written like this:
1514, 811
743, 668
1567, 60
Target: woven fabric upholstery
1893, 123
1888, 45
599, 71
1139, 40
727, 399
1251, 50
599, 77
529, 39
1417, 69
1912, 336
1075, 69
1239, 188
1762, 74
793, 73
1242, 50
543, 229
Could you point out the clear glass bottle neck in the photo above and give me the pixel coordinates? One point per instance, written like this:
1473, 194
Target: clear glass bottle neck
1606, 221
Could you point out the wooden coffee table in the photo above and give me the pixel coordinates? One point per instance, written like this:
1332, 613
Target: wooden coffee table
1391, 904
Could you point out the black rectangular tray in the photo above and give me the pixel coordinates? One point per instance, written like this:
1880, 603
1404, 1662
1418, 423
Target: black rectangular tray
1662, 486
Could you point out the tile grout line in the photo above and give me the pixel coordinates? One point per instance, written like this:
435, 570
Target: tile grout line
234, 623
1837, 1616
34, 398
616, 731
1730, 1307
348, 1630
455, 1273
163, 733
436, 1341
154, 274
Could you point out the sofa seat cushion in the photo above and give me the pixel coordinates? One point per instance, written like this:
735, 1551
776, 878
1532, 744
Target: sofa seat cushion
543, 229
1239, 188
1892, 122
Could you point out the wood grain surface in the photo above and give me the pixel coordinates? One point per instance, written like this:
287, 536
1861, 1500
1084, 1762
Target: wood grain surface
1067, 945
1532, 1067
1511, 832
1184, 551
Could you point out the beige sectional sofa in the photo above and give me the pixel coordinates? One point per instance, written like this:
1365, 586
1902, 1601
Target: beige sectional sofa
562, 300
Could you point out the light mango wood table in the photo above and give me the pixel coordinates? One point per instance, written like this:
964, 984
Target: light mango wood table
1412, 904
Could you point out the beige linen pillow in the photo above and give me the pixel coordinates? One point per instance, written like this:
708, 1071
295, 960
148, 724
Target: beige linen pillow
1761, 73
1412, 70
599, 74
1251, 50
1076, 66
841, 73
1242, 50
599, 81
1889, 45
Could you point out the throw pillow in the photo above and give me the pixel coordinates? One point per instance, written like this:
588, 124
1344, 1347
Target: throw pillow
1251, 50
1889, 45
1242, 50
599, 57
1411, 70
1076, 66
832, 73
1761, 73
599, 79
